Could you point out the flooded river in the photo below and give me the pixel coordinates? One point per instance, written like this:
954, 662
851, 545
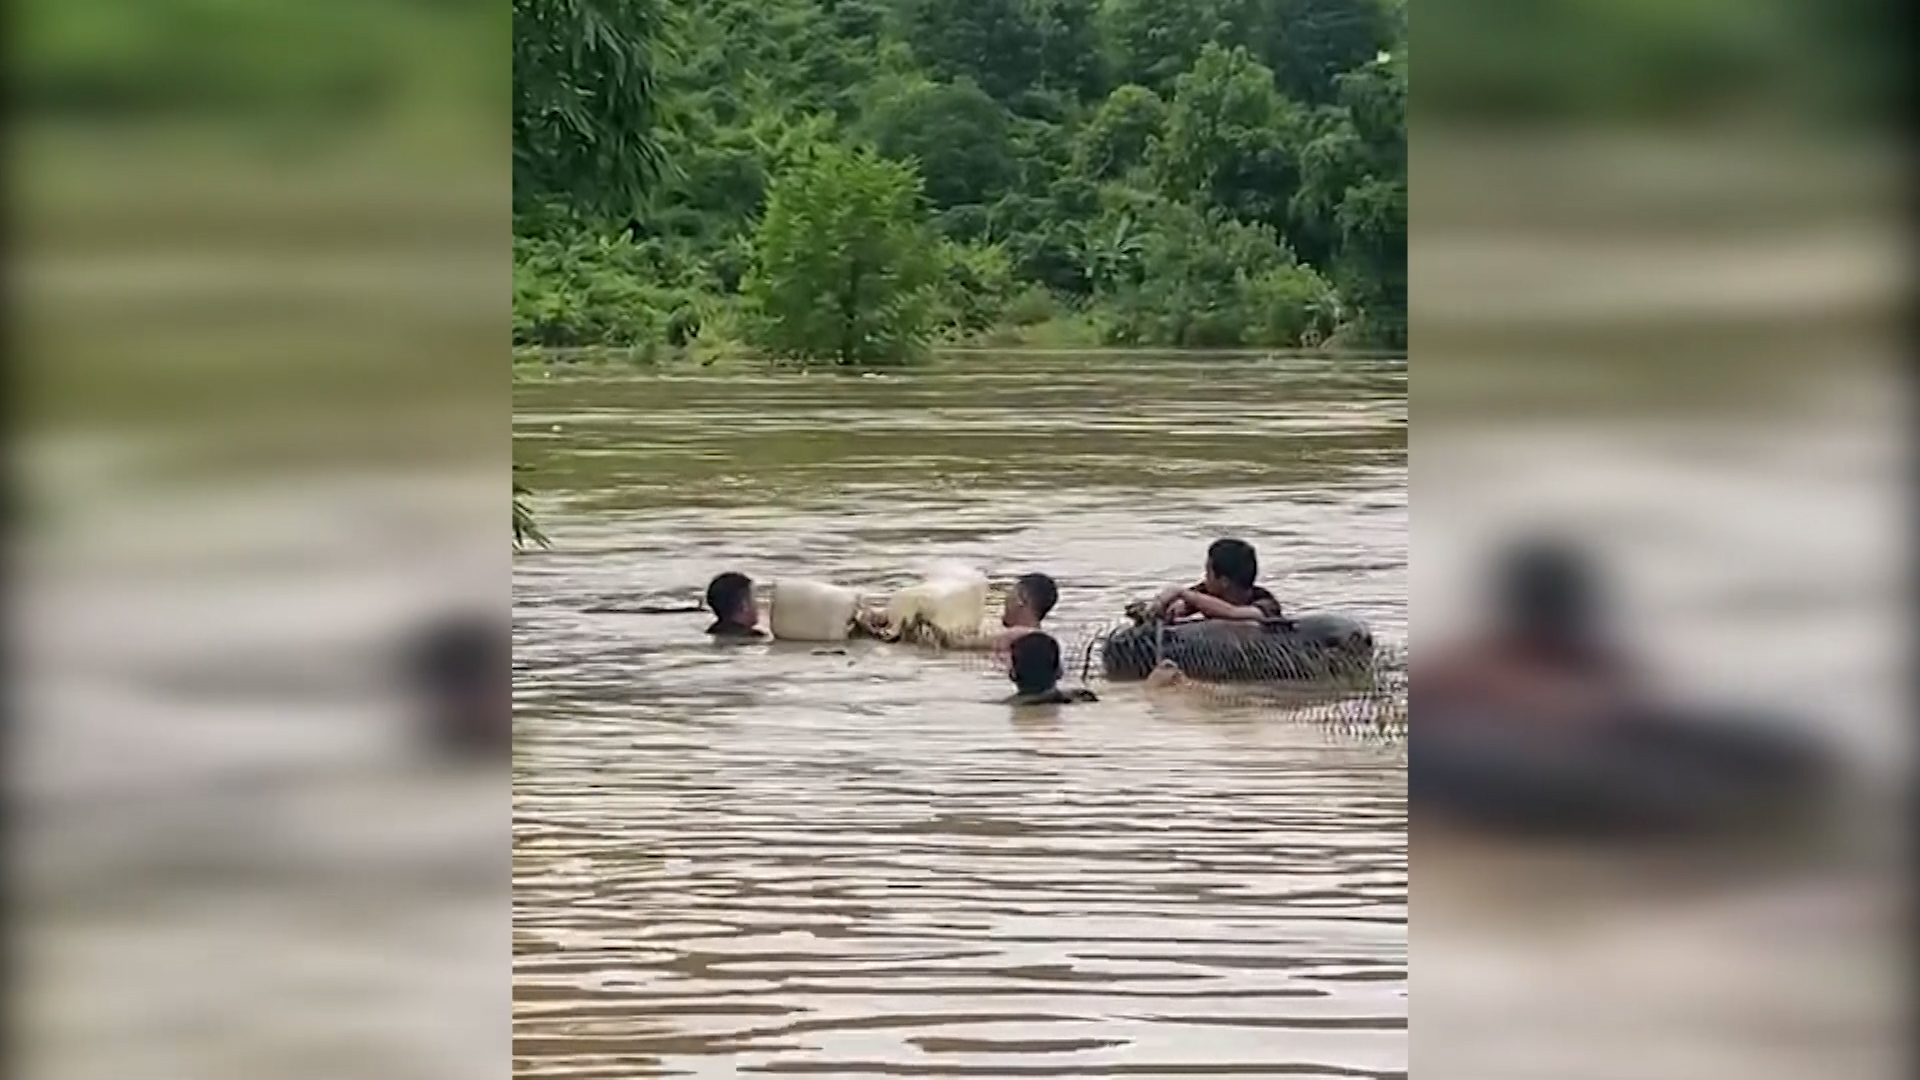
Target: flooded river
732, 861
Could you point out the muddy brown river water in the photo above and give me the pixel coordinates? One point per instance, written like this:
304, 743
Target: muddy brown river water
766, 860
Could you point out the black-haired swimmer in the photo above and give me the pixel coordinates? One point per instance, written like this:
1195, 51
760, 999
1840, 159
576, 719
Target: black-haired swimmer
1028, 604
1229, 589
735, 616
1034, 667
1549, 655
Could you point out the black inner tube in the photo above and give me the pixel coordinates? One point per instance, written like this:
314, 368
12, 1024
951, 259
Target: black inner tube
1643, 774
1313, 647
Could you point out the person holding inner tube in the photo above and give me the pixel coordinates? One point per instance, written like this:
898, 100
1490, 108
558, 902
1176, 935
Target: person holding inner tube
1228, 589
1549, 726
1548, 654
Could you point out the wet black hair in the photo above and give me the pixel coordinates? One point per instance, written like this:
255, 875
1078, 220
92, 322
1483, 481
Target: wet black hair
1040, 591
728, 593
1235, 561
1034, 662
1548, 586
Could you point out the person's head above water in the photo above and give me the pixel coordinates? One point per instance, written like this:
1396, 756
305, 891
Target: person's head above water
1232, 568
1548, 591
730, 598
1033, 663
1029, 601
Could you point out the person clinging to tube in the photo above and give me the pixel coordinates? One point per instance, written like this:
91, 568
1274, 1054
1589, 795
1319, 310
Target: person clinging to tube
1033, 663
1228, 590
1548, 654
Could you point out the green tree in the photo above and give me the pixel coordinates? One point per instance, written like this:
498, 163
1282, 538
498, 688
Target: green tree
843, 267
1071, 57
1353, 196
976, 284
1117, 137
1188, 284
1310, 43
1372, 264
1151, 42
1289, 306
999, 44
856, 20
1332, 161
1230, 138
1043, 237
956, 135
723, 171
584, 105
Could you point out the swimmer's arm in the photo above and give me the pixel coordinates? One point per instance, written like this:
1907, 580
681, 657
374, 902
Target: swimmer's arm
1171, 604
1213, 607
995, 642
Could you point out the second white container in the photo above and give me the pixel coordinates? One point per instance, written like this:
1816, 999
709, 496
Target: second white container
953, 600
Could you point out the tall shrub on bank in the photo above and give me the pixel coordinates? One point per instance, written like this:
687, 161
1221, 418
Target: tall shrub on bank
844, 268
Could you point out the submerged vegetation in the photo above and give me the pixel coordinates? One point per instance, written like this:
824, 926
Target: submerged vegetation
850, 181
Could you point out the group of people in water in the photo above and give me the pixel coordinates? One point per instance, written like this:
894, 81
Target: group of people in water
1228, 589
1546, 655
1541, 721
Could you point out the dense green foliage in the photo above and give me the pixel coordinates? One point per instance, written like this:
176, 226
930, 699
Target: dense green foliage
843, 268
847, 180
584, 98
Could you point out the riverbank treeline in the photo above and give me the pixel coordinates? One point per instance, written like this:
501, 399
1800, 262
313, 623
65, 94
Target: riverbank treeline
853, 180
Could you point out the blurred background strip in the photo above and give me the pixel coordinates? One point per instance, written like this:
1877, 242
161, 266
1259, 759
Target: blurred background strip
1659, 288
260, 284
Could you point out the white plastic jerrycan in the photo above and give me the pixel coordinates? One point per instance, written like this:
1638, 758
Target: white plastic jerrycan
811, 611
952, 600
